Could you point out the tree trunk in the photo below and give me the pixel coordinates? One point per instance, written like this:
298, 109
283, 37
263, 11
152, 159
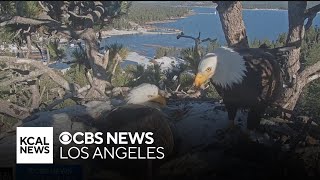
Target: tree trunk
230, 13
235, 33
98, 64
296, 16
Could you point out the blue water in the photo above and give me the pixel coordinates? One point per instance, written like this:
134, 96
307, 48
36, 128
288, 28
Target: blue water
260, 24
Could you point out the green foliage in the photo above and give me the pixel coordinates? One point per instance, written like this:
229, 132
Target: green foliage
190, 55
309, 102
166, 51
55, 51
79, 56
113, 61
126, 77
30, 9
183, 75
142, 13
121, 23
211, 45
151, 75
212, 93
6, 34
76, 74
7, 7
280, 42
47, 86
117, 48
66, 103
186, 80
264, 5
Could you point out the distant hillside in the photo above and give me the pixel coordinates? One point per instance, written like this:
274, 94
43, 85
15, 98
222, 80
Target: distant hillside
141, 13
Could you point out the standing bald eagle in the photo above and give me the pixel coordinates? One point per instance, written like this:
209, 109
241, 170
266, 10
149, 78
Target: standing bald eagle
141, 113
244, 78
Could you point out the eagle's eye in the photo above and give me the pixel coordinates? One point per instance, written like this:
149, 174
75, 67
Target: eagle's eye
208, 69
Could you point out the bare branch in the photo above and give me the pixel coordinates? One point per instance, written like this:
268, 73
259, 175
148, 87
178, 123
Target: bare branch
53, 24
32, 75
208, 39
185, 36
23, 20
28, 30
310, 14
52, 74
313, 77
13, 110
43, 7
309, 71
35, 98
309, 22
80, 16
67, 96
311, 11
59, 101
17, 33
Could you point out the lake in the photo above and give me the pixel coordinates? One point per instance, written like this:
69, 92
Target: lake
260, 24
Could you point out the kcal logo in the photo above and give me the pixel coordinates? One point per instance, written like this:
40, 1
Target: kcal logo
34, 145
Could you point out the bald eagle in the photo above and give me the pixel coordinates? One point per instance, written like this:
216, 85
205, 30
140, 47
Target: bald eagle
141, 113
245, 78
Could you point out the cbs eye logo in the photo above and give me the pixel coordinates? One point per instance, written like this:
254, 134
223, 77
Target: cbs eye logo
65, 138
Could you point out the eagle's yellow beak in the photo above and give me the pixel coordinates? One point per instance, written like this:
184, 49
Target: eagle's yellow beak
200, 79
159, 99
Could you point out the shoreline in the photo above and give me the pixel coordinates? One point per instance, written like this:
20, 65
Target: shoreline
254, 9
174, 19
145, 29
214, 7
115, 32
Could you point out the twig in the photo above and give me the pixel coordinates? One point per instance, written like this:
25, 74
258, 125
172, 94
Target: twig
41, 95
67, 96
18, 32
43, 7
32, 75
178, 88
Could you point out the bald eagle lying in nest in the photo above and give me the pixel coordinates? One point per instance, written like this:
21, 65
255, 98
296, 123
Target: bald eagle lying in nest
244, 78
141, 113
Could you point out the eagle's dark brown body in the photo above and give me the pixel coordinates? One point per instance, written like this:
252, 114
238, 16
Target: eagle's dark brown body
140, 118
137, 118
260, 87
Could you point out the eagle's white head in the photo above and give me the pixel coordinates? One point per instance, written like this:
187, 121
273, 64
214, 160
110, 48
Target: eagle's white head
146, 94
225, 66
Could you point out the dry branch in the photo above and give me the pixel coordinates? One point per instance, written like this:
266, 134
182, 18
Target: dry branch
23, 20
52, 74
35, 98
67, 96
32, 75
313, 10
13, 110
43, 7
